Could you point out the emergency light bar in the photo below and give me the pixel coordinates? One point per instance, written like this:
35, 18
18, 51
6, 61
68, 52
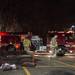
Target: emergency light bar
3, 33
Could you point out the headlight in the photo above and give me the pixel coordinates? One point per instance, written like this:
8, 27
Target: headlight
50, 52
71, 51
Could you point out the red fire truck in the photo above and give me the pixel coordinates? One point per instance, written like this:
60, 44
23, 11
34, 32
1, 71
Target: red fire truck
65, 40
10, 43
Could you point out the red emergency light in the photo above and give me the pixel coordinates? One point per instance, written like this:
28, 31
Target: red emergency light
3, 33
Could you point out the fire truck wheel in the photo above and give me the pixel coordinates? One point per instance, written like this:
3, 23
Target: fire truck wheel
11, 49
60, 54
2, 51
61, 51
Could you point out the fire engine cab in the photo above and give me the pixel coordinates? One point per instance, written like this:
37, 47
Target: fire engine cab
9, 43
65, 41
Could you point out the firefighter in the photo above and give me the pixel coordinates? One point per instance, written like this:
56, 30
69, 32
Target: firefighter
53, 45
27, 46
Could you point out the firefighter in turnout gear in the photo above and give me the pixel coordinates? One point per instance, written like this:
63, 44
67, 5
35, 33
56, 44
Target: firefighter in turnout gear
53, 45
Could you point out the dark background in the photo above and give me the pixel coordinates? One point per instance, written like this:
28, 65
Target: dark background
37, 16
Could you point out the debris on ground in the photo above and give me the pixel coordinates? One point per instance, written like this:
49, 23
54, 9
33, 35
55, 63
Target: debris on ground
7, 66
29, 64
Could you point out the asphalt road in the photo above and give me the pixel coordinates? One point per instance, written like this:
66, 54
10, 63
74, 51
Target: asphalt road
12, 72
45, 66
54, 66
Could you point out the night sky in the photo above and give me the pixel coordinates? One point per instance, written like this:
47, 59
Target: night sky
38, 15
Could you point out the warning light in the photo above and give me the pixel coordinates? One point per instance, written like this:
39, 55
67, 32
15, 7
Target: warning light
3, 33
17, 46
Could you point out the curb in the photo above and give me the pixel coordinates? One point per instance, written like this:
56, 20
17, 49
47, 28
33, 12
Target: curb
70, 54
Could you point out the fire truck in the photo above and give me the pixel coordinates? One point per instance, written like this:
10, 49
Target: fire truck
10, 43
65, 41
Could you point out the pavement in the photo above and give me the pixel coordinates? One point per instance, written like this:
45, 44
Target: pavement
70, 54
44, 66
53, 66
51, 71
12, 72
